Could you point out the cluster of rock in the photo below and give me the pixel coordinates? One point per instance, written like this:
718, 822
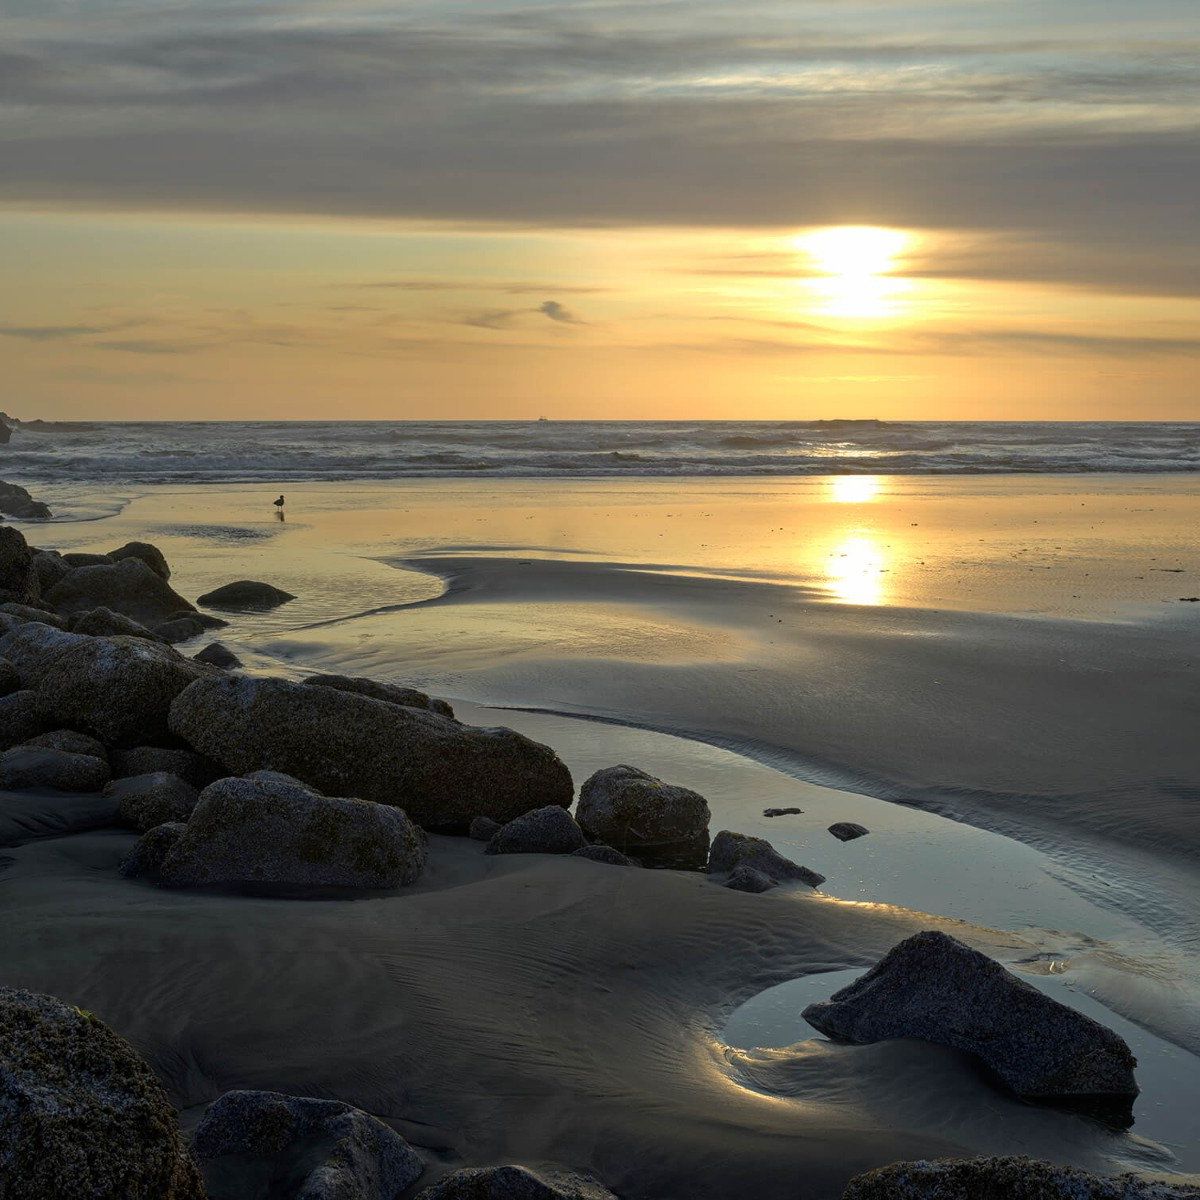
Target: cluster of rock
15, 501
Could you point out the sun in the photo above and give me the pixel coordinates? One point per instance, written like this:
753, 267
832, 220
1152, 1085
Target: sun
855, 268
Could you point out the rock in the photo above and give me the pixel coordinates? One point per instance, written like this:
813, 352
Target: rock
1005, 1179
20, 718
15, 501
145, 860
604, 854
217, 655
933, 987
128, 587
5, 433
71, 742
103, 622
483, 829
10, 680
145, 801
18, 577
747, 879
549, 830
246, 595
440, 772
80, 558
50, 567
28, 612
119, 688
268, 1144
391, 692
148, 760
270, 829
38, 767
32, 647
515, 1183
657, 822
782, 812
731, 850
847, 831
81, 1115
184, 628
152, 556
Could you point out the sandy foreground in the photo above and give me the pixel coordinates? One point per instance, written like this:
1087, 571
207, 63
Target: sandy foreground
543, 1010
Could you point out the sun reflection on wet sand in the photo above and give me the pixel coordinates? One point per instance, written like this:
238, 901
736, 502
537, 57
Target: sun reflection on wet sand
855, 570
854, 489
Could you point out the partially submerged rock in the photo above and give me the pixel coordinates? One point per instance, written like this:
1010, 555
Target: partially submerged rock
732, 850
144, 801
15, 501
217, 655
1005, 1179
119, 688
146, 859
37, 767
249, 595
187, 626
393, 693
847, 831
271, 829
440, 772
782, 812
103, 622
549, 830
516, 1183
744, 878
81, 1115
933, 987
18, 577
660, 823
269, 1144
598, 852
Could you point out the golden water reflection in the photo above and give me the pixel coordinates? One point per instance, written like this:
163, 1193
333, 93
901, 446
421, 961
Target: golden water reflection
854, 489
856, 570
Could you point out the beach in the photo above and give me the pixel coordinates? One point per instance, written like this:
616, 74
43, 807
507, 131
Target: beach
994, 674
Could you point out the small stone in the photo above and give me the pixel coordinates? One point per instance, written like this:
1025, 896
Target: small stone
746, 879
549, 830
847, 831
218, 655
782, 812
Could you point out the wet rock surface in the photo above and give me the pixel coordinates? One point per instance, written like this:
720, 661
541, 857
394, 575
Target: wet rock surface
747, 879
391, 692
848, 831
144, 801
249, 595
732, 850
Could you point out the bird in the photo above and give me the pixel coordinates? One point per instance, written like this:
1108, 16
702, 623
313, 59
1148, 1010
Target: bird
278, 503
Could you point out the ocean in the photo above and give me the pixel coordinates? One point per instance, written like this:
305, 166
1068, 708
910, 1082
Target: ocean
251, 451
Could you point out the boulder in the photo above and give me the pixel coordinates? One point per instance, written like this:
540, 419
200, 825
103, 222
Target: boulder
217, 655
25, 767
747, 879
33, 646
393, 693
246, 595
1005, 1179
782, 812
549, 830
516, 1183
483, 829
144, 801
128, 587
847, 831
81, 1115
50, 567
934, 988
184, 628
731, 850
15, 501
271, 829
20, 718
10, 679
152, 556
18, 577
83, 558
29, 612
604, 854
440, 772
658, 823
103, 622
146, 859
71, 742
269, 1144
119, 688
147, 760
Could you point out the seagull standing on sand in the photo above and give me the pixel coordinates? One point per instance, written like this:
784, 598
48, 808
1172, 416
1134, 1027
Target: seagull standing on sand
278, 503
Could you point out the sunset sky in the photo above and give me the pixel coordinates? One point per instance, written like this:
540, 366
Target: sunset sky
369, 208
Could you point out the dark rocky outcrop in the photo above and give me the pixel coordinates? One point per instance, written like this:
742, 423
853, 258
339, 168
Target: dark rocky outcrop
217, 655
269, 829
152, 556
10, 679
81, 1115
549, 830
15, 501
933, 987
246, 595
732, 850
18, 576
1005, 1179
147, 760
119, 688
146, 859
604, 854
31, 647
144, 801
515, 1183
847, 831
440, 772
103, 622
658, 823
483, 829
85, 558
29, 612
748, 879
50, 567
21, 719
70, 741
184, 628
268, 1144
128, 587
38, 767
393, 693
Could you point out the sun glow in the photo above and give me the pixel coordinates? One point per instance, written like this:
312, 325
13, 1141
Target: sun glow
854, 489
855, 570
855, 269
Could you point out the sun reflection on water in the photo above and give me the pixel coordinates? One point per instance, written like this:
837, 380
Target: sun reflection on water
854, 489
855, 570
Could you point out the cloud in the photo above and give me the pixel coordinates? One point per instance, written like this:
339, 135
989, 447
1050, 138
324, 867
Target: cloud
557, 312
504, 318
53, 333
